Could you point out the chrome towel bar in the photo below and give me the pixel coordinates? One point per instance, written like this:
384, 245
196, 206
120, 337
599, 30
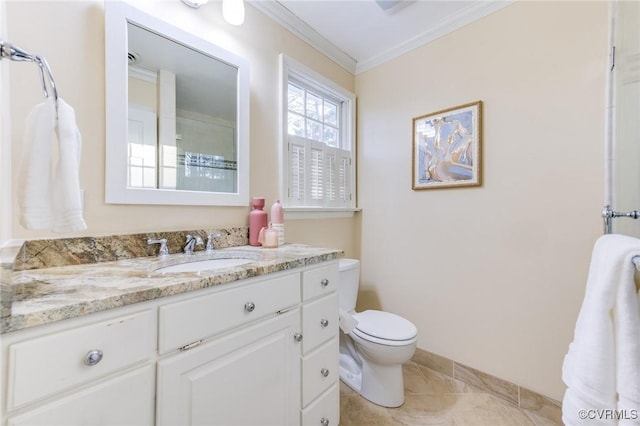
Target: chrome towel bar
14, 53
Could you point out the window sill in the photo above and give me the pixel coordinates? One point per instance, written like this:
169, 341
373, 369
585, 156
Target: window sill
296, 213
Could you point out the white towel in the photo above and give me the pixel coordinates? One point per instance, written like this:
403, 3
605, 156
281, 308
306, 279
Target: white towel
67, 199
602, 367
47, 200
34, 178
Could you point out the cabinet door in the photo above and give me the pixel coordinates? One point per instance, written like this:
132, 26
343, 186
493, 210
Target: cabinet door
124, 400
250, 377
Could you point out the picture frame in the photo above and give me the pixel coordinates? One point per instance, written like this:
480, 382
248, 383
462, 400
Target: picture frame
447, 148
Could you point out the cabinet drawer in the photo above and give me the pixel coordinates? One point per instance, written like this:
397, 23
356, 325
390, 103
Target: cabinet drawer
319, 370
325, 411
322, 280
319, 321
49, 364
127, 399
194, 319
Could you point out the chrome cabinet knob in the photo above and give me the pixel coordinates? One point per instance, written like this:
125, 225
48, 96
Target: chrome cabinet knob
324, 322
249, 306
324, 421
324, 282
324, 372
297, 337
93, 357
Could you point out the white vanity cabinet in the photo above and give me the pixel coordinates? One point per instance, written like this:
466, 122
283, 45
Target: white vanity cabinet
259, 351
81, 372
320, 375
248, 373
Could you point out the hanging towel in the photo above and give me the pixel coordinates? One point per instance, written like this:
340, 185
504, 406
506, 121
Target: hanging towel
602, 367
67, 198
50, 198
34, 178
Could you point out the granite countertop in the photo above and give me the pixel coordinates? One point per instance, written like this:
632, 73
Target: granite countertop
41, 296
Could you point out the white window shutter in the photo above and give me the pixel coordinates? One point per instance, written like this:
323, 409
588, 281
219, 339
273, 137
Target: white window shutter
319, 175
297, 165
331, 161
344, 178
338, 171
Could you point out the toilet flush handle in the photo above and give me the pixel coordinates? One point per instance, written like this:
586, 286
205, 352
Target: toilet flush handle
324, 421
324, 282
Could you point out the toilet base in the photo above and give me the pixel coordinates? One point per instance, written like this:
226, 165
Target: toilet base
381, 384
350, 372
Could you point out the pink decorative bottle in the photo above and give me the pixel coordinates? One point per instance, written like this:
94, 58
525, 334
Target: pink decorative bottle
257, 220
277, 220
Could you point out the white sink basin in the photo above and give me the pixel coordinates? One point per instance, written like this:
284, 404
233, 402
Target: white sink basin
204, 265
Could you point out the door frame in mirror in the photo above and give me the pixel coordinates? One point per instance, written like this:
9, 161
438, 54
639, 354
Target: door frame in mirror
117, 16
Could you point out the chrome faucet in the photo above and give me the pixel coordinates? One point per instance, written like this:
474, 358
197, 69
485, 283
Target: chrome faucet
210, 238
191, 243
163, 251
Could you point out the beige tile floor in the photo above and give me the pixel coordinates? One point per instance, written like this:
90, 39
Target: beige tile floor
432, 398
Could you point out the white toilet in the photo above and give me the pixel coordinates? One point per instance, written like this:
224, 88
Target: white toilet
372, 354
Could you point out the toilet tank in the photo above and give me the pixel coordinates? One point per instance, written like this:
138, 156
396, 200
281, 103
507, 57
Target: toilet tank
349, 275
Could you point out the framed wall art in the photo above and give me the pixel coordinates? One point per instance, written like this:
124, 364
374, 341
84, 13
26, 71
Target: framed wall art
447, 148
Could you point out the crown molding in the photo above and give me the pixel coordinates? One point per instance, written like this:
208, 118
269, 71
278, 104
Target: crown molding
283, 16
454, 22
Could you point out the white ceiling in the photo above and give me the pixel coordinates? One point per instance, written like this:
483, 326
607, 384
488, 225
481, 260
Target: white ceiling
359, 34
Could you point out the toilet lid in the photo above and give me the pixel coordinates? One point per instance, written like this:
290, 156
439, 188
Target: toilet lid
385, 325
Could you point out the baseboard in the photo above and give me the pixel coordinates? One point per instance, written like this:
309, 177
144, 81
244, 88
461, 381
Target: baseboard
512, 393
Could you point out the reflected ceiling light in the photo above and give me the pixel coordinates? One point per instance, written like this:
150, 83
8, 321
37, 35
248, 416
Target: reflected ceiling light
233, 11
194, 3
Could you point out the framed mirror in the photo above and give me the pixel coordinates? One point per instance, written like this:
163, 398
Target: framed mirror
177, 115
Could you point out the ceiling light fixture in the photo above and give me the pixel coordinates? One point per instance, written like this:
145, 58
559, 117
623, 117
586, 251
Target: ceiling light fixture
392, 6
194, 3
233, 11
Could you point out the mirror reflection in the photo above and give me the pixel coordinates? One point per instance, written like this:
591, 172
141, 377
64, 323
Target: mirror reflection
182, 120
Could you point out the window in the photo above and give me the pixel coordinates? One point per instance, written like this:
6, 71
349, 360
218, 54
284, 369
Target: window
141, 148
318, 161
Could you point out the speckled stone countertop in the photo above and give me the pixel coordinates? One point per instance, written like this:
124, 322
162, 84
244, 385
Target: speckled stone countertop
41, 296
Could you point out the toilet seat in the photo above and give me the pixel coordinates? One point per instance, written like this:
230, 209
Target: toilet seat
385, 328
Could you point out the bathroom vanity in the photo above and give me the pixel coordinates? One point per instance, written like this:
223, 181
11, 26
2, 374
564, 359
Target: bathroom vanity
251, 344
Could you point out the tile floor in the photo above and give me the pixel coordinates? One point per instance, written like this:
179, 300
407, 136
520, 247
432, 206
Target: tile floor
432, 398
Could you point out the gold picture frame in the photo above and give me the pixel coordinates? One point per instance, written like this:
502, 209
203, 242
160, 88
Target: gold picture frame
447, 148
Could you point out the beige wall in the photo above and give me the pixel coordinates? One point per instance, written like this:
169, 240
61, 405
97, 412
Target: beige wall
493, 276
76, 56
